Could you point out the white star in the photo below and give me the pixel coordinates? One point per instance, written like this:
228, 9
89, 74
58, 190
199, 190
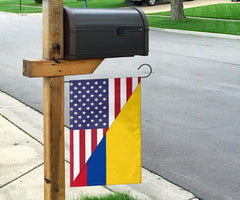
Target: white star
96, 108
100, 103
88, 100
75, 96
104, 107
79, 125
80, 117
71, 84
88, 91
84, 96
71, 117
104, 115
80, 108
100, 86
75, 104
75, 88
91, 87
100, 120
79, 100
92, 120
96, 99
104, 91
100, 111
100, 95
71, 109
95, 82
79, 83
71, 126
92, 95
104, 82
96, 116
75, 113
71, 92
104, 124
71, 100
92, 112
84, 121
79, 92
88, 125
104, 99
96, 124
92, 104
84, 112
96, 91
84, 104
88, 116
88, 108
88, 83
75, 121
83, 87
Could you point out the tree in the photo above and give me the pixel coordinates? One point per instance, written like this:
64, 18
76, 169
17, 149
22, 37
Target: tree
177, 11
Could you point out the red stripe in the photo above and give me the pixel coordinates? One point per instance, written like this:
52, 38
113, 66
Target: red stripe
71, 157
82, 149
105, 131
94, 139
139, 80
129, 87
117, 96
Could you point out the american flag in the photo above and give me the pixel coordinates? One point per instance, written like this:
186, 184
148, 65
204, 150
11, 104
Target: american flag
94, 105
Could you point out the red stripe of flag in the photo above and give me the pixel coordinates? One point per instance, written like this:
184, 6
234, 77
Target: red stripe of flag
71, 156
105, 131
117, 96
129, 87
82, 148
94, 139
139, 80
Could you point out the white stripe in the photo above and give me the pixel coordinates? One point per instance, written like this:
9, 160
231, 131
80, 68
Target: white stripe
111, 103
134, 84
99, 135
88, 144
76, 154
123, 91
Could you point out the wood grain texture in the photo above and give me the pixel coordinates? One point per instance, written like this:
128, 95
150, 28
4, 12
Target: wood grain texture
53, 91
54, 156
48, 68
53, 29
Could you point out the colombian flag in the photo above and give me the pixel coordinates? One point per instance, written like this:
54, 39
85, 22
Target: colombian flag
105, 131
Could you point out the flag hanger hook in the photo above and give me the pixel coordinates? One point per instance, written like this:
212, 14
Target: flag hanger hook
150, 72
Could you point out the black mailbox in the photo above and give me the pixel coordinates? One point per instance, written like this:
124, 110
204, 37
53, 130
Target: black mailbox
103, 33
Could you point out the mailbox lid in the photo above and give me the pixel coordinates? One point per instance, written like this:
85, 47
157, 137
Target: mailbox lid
95, 18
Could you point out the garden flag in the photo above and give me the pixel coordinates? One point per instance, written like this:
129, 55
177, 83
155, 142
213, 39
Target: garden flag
105, 131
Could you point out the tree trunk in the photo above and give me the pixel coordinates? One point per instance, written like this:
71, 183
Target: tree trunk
177, 11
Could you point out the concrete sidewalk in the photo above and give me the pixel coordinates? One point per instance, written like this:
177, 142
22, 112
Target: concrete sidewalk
186, 4
21, 161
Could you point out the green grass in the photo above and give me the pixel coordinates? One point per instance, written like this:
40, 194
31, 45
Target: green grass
212, 26
13, 5
218, 11
115, 196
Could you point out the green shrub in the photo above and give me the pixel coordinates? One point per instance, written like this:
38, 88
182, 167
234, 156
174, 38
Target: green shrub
38, 1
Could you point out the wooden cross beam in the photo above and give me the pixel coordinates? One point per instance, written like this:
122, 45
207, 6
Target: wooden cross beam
53, 91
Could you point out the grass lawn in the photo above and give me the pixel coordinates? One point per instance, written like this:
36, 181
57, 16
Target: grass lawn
115, 196
212, 26
13, 5
219, 11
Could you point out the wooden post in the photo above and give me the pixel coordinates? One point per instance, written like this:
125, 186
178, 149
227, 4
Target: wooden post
53, 90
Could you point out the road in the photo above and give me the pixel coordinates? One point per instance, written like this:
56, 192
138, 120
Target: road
190, 104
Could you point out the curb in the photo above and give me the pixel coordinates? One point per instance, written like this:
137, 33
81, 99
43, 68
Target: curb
29, 122
197, 33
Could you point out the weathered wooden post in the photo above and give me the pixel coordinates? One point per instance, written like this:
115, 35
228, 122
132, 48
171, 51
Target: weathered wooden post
53, 89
